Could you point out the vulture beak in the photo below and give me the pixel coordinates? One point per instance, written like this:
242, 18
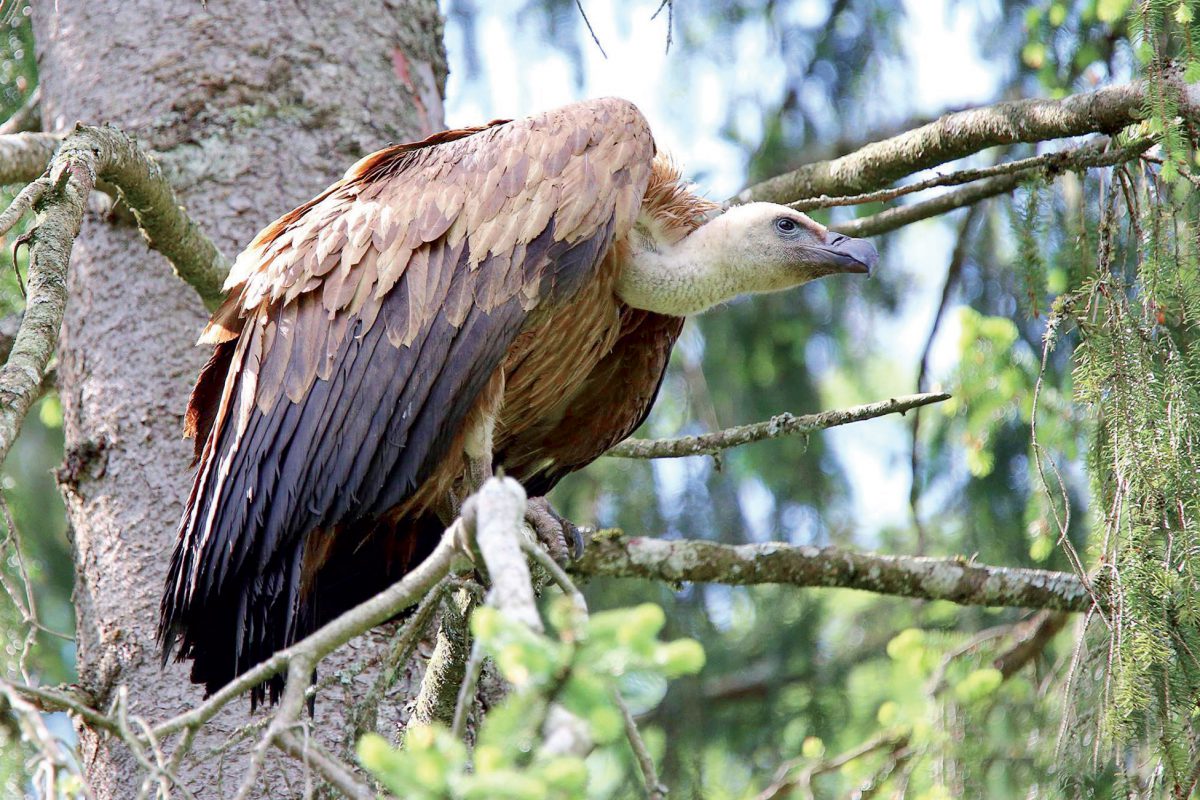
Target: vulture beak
844, 254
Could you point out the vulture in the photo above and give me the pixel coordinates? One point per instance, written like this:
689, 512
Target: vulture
501, 296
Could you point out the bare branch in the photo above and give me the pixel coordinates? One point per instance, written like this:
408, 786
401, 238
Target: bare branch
307, 751
655, 790
1029, 641
1092, 154
963, 133
787, 780
955, 579
780, 425
893, 218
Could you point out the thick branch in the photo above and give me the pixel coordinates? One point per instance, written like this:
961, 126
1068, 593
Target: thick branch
24, 156
962, 133
60, 198
167, 228
59, 219
952, 579
779, 425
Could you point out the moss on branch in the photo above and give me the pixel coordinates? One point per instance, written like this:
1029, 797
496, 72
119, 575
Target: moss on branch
964, 133
954, 579
59, 197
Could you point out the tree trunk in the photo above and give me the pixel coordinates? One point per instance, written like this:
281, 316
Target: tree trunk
253, 107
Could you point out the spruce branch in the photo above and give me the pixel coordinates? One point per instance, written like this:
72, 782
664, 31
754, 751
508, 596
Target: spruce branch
779, 425
611, 554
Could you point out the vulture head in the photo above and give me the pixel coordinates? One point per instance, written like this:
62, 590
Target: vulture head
749, 249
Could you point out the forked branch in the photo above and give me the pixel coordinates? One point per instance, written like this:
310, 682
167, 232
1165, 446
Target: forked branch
59, 197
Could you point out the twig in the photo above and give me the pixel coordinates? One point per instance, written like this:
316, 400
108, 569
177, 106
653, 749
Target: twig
785, 781
329, 767
954, 579
655, 790
953, 271
885, 221
466, 692
28, 197
556, 573
962, 133
1030, 641
57, 700
588, 23
48, 748
895, 218
365, 713
780, 425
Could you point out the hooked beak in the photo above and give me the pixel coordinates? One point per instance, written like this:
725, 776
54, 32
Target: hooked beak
844, 254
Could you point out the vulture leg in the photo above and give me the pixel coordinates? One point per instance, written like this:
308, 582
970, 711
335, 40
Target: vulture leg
561, 537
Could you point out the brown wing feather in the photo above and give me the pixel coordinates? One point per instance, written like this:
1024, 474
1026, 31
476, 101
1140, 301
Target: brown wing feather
607, 407
363, 325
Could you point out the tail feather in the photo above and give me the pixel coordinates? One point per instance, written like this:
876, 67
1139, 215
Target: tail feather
231, 630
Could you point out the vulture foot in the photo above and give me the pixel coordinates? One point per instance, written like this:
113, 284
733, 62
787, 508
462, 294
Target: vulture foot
561, 537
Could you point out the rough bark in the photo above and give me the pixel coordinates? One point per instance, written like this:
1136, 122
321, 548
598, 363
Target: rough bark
955, 579
252, 107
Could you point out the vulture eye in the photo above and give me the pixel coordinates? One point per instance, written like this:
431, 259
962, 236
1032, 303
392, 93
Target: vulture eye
786, 226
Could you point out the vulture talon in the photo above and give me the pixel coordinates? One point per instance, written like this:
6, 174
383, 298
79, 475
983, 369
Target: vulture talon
561, 537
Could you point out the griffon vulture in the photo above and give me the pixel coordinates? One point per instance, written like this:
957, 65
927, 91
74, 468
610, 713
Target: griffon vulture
499, 296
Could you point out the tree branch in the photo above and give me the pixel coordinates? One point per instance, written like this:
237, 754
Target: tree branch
27, 118
1095, 153
1079, 158
612, 555
60, 198
24, 156
358, 620
963, 133
780, 425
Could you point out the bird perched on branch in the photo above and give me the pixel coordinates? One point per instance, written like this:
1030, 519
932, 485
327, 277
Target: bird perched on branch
500, 296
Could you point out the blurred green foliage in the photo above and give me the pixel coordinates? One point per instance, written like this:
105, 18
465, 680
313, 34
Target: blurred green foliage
580, 668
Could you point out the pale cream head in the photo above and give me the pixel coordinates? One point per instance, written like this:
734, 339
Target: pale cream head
753, 248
